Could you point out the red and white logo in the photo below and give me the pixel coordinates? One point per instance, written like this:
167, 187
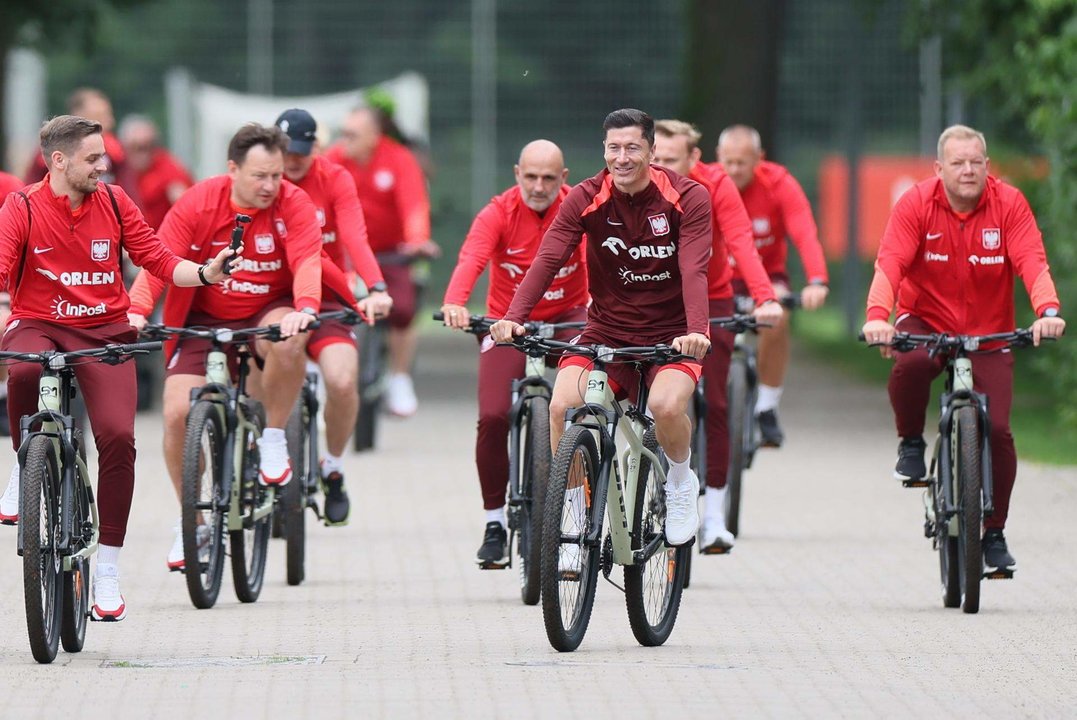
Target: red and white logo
384, 180
282, 230
659, 224
761, 226
264, 244
99, 250
318, 213
992, 238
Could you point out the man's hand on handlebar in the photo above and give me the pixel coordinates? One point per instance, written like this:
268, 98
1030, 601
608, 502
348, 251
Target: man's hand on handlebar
503, 331
1047, 327
427, 249
137, 321
812, 297
375, 305
879, 332
456, 316
768, 313
295, 322
693, 344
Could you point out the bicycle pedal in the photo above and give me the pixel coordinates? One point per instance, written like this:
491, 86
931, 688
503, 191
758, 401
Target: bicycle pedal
999, 574
499, 565
916, 482
715, 550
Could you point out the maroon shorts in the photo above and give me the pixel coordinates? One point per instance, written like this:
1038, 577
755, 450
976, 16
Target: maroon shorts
189, 357
403, 291
330, 332
622, 376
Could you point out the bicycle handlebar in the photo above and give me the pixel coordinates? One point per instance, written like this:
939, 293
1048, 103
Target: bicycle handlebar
942, 342
271, 333
112, 354
479, 324
660, 354
738, 323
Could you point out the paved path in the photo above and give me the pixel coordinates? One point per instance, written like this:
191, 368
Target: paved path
827, 608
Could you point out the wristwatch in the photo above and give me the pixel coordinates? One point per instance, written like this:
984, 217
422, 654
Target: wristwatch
379, 287
309, 311
1050, 312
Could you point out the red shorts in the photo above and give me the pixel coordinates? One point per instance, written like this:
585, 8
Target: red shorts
622, 376
189, 358
330, 332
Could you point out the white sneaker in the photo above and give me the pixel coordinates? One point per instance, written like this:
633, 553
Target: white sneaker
569, 562
9, 503
682, 509
716, 538
400, 397
176, 561
108, 603
276, 467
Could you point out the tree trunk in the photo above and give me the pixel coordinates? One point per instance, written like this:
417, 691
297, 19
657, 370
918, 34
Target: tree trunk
732, 68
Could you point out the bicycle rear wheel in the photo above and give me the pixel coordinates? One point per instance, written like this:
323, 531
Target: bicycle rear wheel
251, 543
970, 498
293, 496
574, 509
76, 610
653, 589
740, 438
534, 476
203, 509
39, 523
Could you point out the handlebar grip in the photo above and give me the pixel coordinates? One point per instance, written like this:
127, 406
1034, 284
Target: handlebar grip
146, 346
860, 336
439, 316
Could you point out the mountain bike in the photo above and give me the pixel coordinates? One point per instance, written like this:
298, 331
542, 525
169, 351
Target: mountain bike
958, 487
586, 482
220, 470
301, 493
58, 523
529, 452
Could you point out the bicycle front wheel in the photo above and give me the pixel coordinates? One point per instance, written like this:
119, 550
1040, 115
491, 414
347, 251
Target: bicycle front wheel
203, 507
653, 588
569, 564
39, 523
372, 350
968, 473
250, 543
740, 418
76, 611
293, 496
534, 476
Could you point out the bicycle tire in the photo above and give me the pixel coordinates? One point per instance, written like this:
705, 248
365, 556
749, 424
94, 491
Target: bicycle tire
534, 476
970, 516
566, 613
250, 545
372, 350
293, 496
699, 464
203, 485
41, 565
739, 441
75, 615
653, 590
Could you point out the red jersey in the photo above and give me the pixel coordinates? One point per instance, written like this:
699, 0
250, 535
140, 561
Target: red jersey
64, 265
732, 238
955, 271
506, 235
156, 183
392, 190
648, 277
340, 216
778, 209
8, 185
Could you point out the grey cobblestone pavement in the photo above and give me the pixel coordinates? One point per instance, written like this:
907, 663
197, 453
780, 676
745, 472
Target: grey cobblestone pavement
828, 606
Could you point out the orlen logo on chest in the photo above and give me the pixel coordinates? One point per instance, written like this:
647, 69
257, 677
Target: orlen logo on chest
62, 309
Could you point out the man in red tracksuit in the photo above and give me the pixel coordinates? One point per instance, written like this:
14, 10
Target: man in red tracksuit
333, 345
392, 190
506, 235
778, 209
61, 240
158, 174
948, 258
278, 281
677, 148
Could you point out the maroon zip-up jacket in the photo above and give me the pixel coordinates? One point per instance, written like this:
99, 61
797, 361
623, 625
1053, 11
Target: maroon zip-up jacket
647, 258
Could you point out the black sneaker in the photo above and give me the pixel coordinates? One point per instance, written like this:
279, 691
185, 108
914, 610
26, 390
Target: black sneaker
493, 555
997, 558
337, 505
910, 461
770, 433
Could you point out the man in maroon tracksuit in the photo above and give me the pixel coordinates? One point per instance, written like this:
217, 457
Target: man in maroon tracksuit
649, 232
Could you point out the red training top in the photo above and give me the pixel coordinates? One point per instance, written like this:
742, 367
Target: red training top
155, 184
340, 216
648, 277
8, 184
732, 238
955, 271
506, 234
64, 265
392, 190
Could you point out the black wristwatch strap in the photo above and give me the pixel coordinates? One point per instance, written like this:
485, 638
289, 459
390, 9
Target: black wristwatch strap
202, 274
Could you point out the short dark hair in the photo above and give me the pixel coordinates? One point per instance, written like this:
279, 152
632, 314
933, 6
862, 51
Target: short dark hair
251, 134
630, 117
65, 133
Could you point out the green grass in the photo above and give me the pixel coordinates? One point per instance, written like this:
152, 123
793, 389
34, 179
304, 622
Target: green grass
1038, 430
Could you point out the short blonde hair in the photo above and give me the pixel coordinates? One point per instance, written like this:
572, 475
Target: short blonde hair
741, 131
671, 128
959, 132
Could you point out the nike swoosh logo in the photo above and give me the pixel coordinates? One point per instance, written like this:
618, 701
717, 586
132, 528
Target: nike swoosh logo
934, 236
38, 251
514, 251
612, 222
196, 247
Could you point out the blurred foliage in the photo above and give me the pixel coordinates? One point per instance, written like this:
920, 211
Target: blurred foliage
1021, 57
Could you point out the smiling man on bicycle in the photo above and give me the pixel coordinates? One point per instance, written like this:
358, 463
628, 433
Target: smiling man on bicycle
279, 281
506, 235
649, 233
61, 240
948, 259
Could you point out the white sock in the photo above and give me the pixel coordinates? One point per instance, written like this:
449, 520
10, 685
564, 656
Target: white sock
108, 555
496, 515
768, 398
714, 503
273, 435
331, 464
678, 470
